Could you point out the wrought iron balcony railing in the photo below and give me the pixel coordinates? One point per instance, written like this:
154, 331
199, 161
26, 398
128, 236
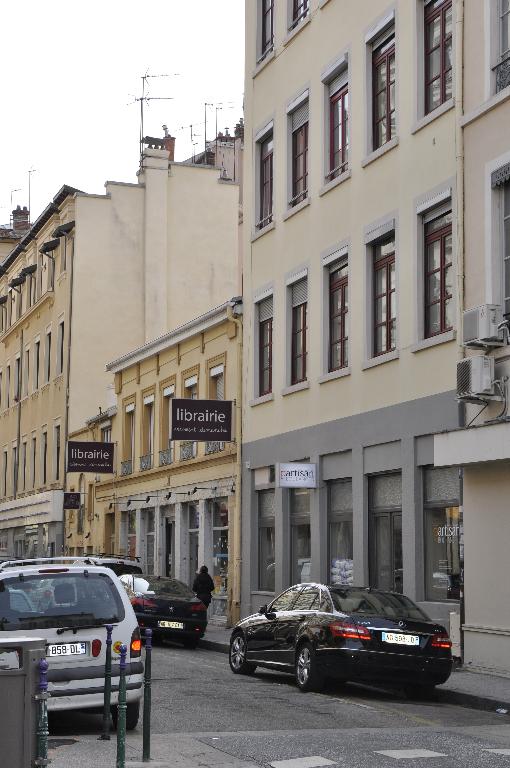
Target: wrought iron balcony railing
214, 447
502, 71
166, 457
146, 462
188, 450
126, 467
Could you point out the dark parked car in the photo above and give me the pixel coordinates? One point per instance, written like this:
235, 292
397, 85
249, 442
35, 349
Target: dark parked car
345, 633
167, 606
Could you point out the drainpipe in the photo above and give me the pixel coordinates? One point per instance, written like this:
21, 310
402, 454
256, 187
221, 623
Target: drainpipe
235, 609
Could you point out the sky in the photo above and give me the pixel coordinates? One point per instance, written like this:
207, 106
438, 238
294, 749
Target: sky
69, 76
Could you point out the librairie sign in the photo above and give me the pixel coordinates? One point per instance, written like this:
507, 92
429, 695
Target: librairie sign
297, 475
202, 420
90, 457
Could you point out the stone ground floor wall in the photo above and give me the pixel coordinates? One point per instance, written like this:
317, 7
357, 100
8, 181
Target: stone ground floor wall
32, 525
394, 443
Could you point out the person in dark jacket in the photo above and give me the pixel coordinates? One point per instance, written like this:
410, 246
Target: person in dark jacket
203, 586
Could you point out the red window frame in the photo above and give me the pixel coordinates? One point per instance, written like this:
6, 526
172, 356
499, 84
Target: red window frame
382, 58
266, 182
299, 328
266, 343
299, 11
299, 164
338, 282
434, 12
338, 150
444, 297
384, 264
267, 27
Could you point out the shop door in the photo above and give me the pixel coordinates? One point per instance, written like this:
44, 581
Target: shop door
386, 554
169, 547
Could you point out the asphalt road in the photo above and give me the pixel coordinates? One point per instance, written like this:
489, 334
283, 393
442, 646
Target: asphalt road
265, 718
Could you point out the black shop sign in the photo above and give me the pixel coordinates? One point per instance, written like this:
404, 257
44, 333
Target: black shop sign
202, 420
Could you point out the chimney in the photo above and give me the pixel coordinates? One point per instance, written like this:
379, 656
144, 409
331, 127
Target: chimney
239, 131
21, 220
169, 143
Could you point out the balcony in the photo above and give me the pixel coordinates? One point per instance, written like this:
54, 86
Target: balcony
502, 71
166, 457
214, 447
188, 450
126, 468
146, 462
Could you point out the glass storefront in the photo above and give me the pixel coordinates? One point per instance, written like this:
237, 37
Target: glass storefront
385, 532
266, 540
150, 541
193, 529
219, 509
443, 534
300, 534
340, 532
131, 536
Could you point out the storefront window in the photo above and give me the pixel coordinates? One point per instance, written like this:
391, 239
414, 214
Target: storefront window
149, 541
340, 532
220, 555
131, 521
300, 534
266, 540
443, 534
386, 532
193, 526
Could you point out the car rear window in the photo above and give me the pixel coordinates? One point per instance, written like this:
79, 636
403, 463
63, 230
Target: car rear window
162, 586
373, 603
121, 568
58, 600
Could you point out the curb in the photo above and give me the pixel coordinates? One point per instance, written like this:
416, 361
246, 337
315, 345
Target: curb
472, 700
214, 645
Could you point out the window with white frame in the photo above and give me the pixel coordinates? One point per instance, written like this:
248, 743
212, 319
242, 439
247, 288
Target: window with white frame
299, 10
17, 379
106, 434
266, 28
4, 473
336, 134
438, 49
438, 271
33, 460
338, 309
500, 183
60, 347
37, 363
146, 460
381, 284
7, 386
264, 176
47, 356
299, 331
298, 116
381, 83
265, 346
56, 452
23, 470
26, 372
44, 458
189, 447
129, 439
166, 455
217, 382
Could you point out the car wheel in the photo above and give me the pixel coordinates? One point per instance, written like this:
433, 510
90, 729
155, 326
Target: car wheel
308, 677
132, 715
190, 642
237, 657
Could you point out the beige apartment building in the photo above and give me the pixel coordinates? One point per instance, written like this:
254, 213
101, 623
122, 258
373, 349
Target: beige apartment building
172, 504
350, 297
94, 277
483, 447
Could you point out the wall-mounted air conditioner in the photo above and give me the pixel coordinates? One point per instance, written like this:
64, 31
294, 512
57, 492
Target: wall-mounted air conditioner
475, 379
480, 326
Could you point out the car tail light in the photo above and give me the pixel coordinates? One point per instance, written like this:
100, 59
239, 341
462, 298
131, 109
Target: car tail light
136, 643
441, 641
349, 631
96, 648
54, 570
137, 602
198, 607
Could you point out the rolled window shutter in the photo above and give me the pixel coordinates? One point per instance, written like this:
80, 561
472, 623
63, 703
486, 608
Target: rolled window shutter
299, 293
266, 309
300, 116
220, 387
339, 82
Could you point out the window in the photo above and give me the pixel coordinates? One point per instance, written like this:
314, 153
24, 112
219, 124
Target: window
23, 465
338, 310
338, 128
267, 25
385, 532
1, 390
47, 361
4, 474
8, 386
299, 11
438, 275
193, 531
148, 432
383, 89
14, 470
26, 373
438, 53
37, 364
44, 458
56, 437
17, 379
506, 245
285, 601
60, 348
299, 328
299, 152
217, 382
129, 435
33, 289
166, 456
219, 510
384, 297
340, 532
33, 461
266, 540
106, 434
300, 535
443, 534
266, 182
265, 312
188, 447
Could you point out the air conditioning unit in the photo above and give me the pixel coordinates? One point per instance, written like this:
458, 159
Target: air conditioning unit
475, 379
481, 326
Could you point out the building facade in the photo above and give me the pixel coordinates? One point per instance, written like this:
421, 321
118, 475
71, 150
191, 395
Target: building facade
482, 448
350, 296
172, 504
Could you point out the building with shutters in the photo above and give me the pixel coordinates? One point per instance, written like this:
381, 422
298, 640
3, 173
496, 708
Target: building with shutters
350, 298
173, 504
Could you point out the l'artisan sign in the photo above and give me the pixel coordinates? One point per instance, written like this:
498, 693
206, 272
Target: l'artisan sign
202, 420
90, 457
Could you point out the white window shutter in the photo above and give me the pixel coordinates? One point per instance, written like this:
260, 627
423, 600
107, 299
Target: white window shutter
266, 309
300, 116
299, 293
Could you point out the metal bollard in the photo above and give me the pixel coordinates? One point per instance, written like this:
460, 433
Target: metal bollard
121, 711
105, 736
147, 698
42, 715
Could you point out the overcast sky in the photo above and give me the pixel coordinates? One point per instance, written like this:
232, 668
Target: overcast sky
69, 71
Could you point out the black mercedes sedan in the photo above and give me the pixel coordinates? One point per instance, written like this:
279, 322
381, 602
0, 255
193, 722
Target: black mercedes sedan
345, 633
167, 606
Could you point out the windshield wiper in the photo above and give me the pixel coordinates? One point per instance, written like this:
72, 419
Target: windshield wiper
95, 625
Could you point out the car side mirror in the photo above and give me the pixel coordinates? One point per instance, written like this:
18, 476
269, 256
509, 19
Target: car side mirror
263, 610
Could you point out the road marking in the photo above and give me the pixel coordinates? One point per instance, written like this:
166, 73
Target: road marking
302, 762
409, 754
497, 751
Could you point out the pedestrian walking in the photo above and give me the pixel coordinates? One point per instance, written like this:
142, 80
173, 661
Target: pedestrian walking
203, 586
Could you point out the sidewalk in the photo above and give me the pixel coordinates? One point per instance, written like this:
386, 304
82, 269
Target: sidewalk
467, 687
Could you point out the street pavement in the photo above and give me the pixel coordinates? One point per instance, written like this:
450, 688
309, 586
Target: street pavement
203, 716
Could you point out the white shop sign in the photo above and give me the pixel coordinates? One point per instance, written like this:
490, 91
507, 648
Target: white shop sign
297, 475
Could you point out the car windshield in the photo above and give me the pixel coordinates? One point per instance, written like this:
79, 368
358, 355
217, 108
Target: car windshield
374, 603
46, 600
160, 586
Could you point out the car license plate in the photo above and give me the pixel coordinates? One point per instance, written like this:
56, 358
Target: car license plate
171, 624
399, 639
67, 649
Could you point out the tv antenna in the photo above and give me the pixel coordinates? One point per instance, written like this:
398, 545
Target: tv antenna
145, 98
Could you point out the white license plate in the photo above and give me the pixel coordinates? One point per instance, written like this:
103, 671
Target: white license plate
67, 649
398, 639
171, 624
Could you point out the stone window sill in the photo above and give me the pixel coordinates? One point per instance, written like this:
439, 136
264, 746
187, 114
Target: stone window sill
380, 152
335, 182
261, 232
262, 399
297, 29
380, 359
434, 341
262, 64
299, 387
333, 375
299, 207
437, 112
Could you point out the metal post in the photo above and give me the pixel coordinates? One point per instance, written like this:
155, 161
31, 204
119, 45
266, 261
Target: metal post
147, 698
121, 711
105, 736
42, 718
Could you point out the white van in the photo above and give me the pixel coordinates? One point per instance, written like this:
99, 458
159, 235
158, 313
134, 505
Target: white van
70, 606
